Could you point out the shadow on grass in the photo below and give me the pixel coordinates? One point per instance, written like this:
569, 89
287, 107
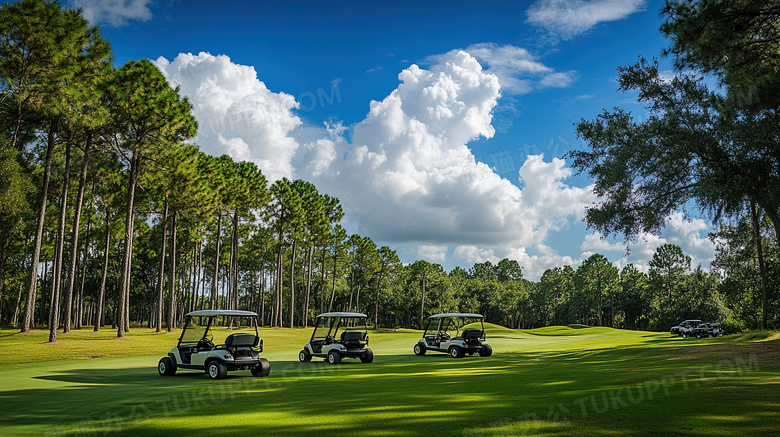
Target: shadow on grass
548, 393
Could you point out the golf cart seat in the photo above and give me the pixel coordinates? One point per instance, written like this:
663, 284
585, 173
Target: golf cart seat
241, 340
241, 344
471, 333
352, 338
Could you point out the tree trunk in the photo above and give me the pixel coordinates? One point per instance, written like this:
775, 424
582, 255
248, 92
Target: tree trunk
322, 282
422, 303
56, 291
32, 291
761, 265
15, 318
357, 297
279, 285
74, 245
292, 283
3, 257
333, 288
80, 295
309, 257
99, 307
376, 302
161, 272
124, 283
172, 279
234, 263
262, 297
212, 303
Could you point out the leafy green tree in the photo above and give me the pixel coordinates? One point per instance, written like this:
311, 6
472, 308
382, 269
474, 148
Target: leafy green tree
308, 215
42, 50
283, 210
718, 150
556, 285
364, 264
737, 40
246, 190
389, 265
85, 115
508, 270
421, 273
149, 115
338, 241
14, 208
634, 298
667, 268
325, 236
597, 278
736, 259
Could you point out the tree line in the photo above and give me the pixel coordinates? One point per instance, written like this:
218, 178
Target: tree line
108, 215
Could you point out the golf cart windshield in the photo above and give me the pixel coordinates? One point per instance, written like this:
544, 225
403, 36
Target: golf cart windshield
193, 331
453, 324
323, 327
329, 324
205, 323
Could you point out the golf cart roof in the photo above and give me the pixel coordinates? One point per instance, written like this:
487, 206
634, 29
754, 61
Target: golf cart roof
210, 313
343, 314
458, 315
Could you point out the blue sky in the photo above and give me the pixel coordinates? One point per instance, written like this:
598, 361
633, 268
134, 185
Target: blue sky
441, 126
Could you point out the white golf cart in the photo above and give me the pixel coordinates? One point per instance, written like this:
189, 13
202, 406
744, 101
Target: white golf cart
239, 350
445, 333
326, 342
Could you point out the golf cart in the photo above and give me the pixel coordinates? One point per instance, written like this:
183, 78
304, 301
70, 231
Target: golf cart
684, 326
327, 343
715, 330
706, 330
445, 333
238, 351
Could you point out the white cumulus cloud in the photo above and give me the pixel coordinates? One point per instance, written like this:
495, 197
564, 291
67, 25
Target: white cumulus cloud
237, 114
408, 175
568, 18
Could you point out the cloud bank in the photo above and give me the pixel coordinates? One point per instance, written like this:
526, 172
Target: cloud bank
405, 174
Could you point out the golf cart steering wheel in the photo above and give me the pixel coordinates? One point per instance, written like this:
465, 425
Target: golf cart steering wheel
206, 343
330, 339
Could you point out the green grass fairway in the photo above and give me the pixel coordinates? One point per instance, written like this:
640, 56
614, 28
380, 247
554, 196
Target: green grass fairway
550, 381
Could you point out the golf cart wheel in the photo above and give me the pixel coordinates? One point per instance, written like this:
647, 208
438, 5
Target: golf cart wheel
334, 357
456, 352
304, 356
419, 349
216, 369
368, 357
698, 336
166, 367
262, 369
684, 336
486, 351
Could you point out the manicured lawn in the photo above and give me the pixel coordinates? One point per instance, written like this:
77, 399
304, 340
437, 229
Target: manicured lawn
549, 381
